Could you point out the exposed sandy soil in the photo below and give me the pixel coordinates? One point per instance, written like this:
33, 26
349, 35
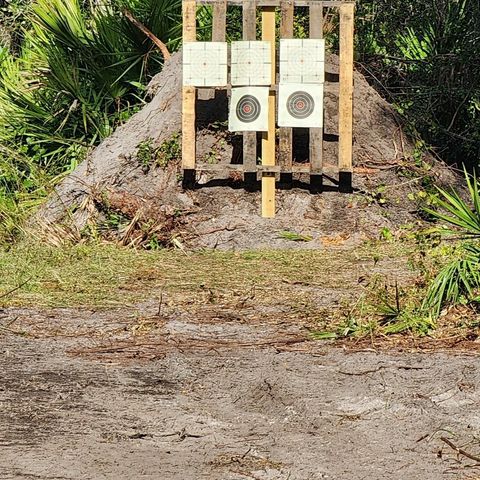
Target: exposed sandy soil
220, 213
81, 397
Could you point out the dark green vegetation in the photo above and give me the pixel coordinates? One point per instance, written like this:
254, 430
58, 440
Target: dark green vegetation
424, 56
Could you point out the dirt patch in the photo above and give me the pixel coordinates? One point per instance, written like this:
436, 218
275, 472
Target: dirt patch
139, 163
253, 408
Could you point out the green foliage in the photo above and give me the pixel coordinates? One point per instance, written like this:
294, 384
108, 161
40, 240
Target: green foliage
459, 214
78, 70
148, 155
383, 311
23, 185
13, 22
295, 237
81, 73
423, 56
457, 282
169, 151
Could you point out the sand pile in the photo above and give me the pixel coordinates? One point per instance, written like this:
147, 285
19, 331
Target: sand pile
134, 177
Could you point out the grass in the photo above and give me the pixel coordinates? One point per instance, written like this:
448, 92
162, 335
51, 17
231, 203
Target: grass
373, 291
105, 275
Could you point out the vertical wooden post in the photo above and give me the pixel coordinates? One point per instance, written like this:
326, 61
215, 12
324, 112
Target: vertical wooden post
268, 138
250, 138
345, 129
188, 98
286, 134
316, 134
219, 34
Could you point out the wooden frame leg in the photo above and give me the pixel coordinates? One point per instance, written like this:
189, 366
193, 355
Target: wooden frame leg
345, 129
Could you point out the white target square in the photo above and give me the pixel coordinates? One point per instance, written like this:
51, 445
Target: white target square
302, 61
249, 109
205, 64
251, 63
300, 105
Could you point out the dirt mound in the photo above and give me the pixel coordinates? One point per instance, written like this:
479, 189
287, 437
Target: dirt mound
139, 164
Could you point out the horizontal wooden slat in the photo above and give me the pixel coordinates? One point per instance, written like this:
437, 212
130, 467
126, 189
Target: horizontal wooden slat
236, 168
298, 168
276, 3
328, 88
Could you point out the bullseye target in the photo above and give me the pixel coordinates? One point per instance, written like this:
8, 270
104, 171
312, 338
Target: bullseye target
300, 105
249, 109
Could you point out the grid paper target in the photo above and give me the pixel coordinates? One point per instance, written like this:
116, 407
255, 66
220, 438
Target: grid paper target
251, 63
205, 64
300, 105
302, 61
249, 109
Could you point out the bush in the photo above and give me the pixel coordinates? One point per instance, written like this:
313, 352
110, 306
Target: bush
424, 56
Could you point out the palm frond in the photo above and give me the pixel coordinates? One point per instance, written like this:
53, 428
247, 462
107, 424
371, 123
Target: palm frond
460, 278
458, 213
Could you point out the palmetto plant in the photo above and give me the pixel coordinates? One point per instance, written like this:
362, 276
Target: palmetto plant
459, 280
81, 72
464, 217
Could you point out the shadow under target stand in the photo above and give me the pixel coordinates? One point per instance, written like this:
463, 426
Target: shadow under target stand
269, 168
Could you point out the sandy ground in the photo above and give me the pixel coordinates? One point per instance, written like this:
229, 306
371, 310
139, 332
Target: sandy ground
189, 400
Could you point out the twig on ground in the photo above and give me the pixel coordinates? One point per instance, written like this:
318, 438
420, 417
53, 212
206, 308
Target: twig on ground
13, 290
460, 451
182, 434
381, 367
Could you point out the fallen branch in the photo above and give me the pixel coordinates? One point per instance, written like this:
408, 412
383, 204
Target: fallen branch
163, 48
459, 450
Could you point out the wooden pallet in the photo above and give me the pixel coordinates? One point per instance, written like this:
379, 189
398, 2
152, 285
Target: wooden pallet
269, 169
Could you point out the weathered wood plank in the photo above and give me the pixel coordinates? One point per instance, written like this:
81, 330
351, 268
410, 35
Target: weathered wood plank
219, 34
188, 99
316, 134
286, 134
268, 138
299, 168
235, 168
188, 129
345, 129
250, 138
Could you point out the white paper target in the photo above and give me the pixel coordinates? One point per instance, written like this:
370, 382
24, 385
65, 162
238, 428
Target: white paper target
302, 61
249, 109
300, 105
251, 63
205, 64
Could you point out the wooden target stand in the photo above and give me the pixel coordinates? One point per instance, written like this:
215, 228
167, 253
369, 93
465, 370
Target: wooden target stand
269, 168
